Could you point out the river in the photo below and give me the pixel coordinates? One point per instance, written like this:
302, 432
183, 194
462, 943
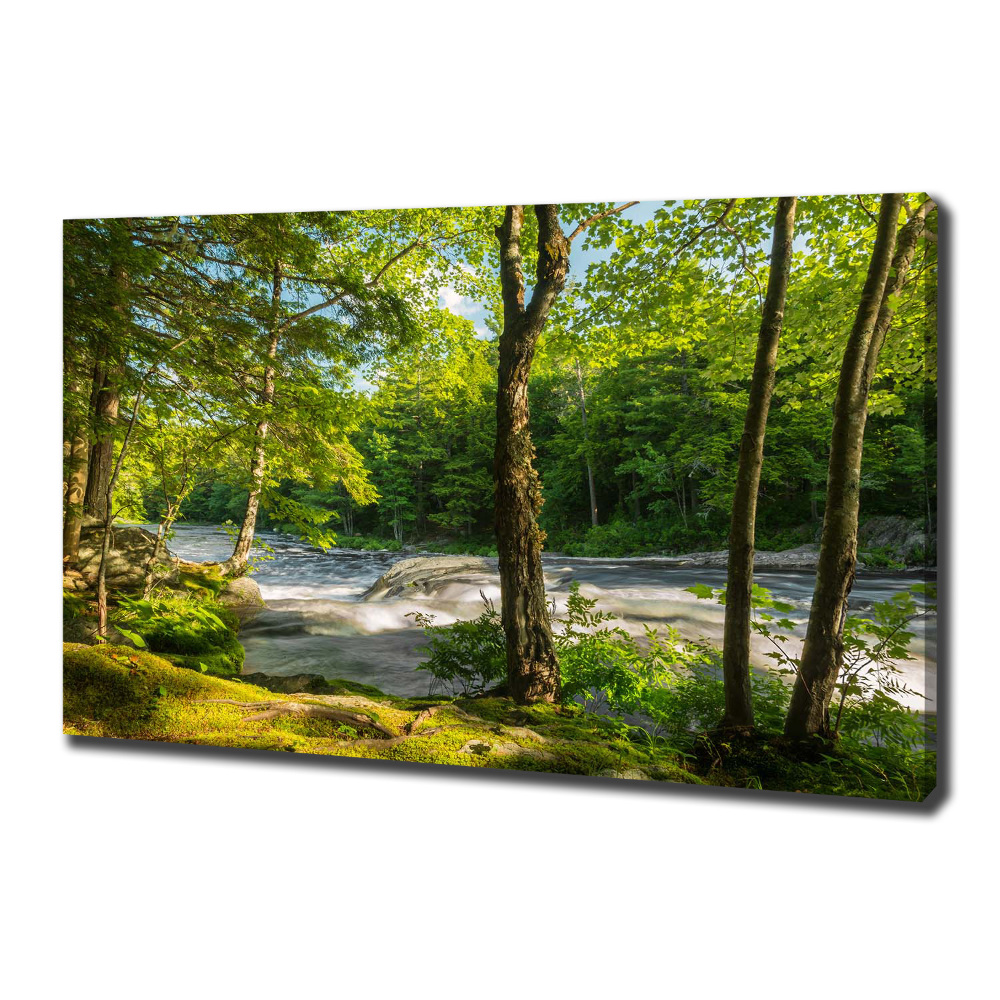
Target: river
317, 620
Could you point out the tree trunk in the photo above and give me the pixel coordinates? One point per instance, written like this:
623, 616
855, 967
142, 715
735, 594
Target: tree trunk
532, 668
102, 587
104, 401
739, 583
586, 447
822, 653
236, 564
76, 487
104, 408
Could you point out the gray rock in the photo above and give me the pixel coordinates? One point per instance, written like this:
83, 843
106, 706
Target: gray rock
504, 749
802, 557
631, 773
418, 573
905, 538
243, 596
131, 548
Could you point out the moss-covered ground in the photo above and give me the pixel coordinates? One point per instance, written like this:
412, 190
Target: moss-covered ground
121, 692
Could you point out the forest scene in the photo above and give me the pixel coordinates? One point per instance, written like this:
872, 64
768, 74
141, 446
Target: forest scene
635, 490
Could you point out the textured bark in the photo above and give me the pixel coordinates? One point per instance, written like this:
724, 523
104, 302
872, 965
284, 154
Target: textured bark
532, 668
822, 653
736, 648
236, 564
104, 402
77, 461
104, 408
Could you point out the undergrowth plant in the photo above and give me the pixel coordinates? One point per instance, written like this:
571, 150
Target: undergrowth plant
661, 692
172, 624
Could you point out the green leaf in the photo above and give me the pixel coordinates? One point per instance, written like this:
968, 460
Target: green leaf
133, 637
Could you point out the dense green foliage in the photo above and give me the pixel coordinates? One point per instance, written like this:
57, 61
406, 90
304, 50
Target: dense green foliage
335, 375
383, 418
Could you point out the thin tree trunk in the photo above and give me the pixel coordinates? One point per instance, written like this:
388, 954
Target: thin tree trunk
739, 583
102, 586
822, 653
236, 564
586, 447
77, 463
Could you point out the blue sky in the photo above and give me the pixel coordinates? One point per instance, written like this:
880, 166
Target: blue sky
580, 259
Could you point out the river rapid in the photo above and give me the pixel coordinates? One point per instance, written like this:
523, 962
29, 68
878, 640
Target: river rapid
318, 621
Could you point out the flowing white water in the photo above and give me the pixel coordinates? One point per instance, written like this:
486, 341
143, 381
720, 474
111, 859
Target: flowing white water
318, 622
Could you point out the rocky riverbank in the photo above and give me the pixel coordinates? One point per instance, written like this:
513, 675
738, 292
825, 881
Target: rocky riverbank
192, 617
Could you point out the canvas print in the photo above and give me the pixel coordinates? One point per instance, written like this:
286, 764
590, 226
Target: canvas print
634, 490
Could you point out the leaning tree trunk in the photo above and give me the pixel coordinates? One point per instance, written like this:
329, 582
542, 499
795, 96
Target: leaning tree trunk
739, 585
236, 564
822, 653
109, 517
532, 668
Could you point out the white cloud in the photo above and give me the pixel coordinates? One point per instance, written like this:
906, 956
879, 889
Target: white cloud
460, 305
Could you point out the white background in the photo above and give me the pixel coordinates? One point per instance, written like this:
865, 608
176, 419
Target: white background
175, 871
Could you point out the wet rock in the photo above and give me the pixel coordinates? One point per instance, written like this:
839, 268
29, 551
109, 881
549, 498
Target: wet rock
243, 596
801, 557
417, 575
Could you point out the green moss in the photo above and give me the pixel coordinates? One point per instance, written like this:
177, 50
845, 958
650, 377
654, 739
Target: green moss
121, 692
202, 579
219, 661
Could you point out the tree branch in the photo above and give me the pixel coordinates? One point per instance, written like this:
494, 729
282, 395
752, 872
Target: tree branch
596, 218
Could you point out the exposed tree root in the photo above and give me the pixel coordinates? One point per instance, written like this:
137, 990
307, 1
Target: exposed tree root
272, 709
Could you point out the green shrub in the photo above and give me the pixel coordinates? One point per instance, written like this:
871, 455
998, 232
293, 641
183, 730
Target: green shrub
882, 557
200, 635
466, 657
73, 605
668, 692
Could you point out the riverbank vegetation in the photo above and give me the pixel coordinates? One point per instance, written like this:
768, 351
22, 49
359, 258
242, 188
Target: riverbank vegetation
741, 373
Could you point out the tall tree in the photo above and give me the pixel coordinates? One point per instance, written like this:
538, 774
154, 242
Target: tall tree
739, 586
108, 369
532, 667
367, 286
822, 653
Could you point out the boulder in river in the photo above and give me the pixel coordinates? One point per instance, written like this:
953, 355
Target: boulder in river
243, 596
802, 557
417, 574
